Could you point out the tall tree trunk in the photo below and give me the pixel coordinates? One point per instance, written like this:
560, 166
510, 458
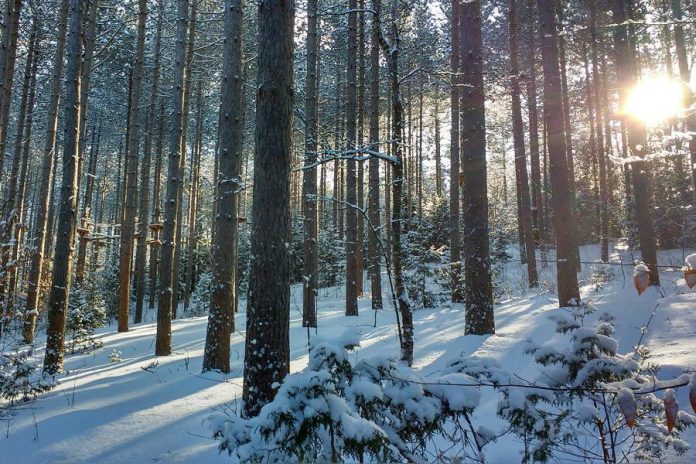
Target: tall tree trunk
600, 149
478, 294
90, 27
455, 247
63, 257
163, 345
373, 210
24, 145
567, 129
391, 51
132, 151
12, 207
193, 198
221, 316
636, 142
536, 180
45, 180
267, 347
351, 181
188, 80
438, 155
524, 215
83, 230
309, 179
8, 56
156, 211
568, 293
685, 76
143, 213
360, 192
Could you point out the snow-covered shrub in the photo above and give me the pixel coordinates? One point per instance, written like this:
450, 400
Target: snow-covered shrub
424, 261
20, 376
336, 410
421, 268
332, 255
589, 400
86, 312
200, 298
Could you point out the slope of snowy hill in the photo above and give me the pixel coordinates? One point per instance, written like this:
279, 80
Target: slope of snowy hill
121, 404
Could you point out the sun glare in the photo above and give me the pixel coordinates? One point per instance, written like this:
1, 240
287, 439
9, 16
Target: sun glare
655, 100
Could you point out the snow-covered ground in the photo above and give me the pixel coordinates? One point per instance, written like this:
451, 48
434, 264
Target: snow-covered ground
143, 409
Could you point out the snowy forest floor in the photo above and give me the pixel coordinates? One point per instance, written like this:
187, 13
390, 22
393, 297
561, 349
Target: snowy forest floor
140, 409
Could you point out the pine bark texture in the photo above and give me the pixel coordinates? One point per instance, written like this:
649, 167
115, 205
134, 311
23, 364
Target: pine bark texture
63, 256
45, 180
478, 288
524, 214
267, 350
132, 151
143, 210
163, 344
309, 179
373, 203
561, 196
455, 246
351, 181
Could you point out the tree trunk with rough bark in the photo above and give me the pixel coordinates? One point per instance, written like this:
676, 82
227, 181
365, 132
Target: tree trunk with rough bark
478, 288
131, 180
144, 207
524, 214
229, 158
63, 257
455, 244
163, 344
351, 181
45, 180
568, 293
267, 347
373, 203
309, 180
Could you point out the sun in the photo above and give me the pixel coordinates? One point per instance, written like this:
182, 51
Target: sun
655, 100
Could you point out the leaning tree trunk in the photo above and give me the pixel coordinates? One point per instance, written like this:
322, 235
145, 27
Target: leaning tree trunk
373, 211
309, 179
478, 288
45, 180
63, 257
143, 213
267, 348
133, 149
524, 215
351, 182
561, 196
163, 344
